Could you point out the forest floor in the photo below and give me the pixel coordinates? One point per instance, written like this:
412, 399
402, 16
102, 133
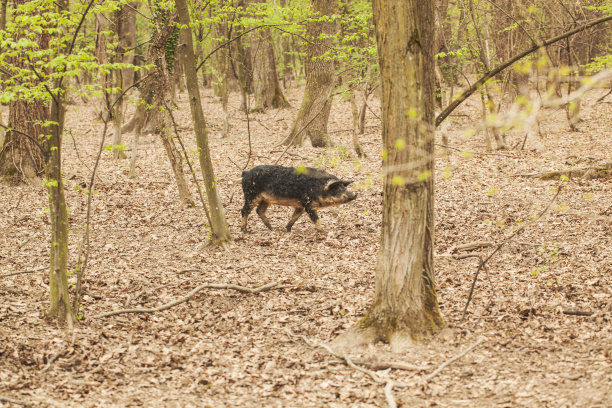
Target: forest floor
227, 348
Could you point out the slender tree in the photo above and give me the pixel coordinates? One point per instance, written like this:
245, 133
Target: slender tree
220, 230
405, 305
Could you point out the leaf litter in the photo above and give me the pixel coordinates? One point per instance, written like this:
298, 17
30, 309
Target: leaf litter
227, 348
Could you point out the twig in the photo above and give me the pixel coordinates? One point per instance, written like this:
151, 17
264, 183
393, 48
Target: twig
603, 97
81, 267
389, 384
189, 296
290, 154
238, 37
491, 73
483, 263
13, 401
298, 133
480, 153
16, 205
22, 272
385, 365
448, 362
191, 170
575, 312
187, 270
470, 246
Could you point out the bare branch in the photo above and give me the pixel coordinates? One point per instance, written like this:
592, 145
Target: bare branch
189, 296
491, 73
450, 361
519, 230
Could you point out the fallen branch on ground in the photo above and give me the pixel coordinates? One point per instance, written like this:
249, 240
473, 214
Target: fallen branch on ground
189, 296
483, 263
479, 153
389, 384
576, 312
589, 173
470, 246
13, 401
22, 272
451, 360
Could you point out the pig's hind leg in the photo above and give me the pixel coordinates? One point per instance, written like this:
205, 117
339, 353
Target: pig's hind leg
296, 214
261, 211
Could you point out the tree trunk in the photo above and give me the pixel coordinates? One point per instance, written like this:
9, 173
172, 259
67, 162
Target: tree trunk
268, 92
3, 4
127, 38
220, 230
314, 111
358, 116
118, 78
23, 153
405, 307
21, 157
60, 306
154, 91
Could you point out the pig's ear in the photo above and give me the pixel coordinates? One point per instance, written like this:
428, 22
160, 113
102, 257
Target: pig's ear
346, 182
333, 183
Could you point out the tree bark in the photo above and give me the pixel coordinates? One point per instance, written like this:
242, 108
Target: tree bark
3, 4
22, 158
405, 307
220, 231
268, 92
314, 111
60, 306
153, 91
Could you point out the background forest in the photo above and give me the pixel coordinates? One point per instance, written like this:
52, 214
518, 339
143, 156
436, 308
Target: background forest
125, 127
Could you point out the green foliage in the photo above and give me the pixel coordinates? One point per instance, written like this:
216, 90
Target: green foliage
40, 53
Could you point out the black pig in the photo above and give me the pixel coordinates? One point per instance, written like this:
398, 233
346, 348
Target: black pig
304, 189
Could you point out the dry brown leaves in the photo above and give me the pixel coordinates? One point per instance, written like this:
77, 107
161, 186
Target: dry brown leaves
223, 348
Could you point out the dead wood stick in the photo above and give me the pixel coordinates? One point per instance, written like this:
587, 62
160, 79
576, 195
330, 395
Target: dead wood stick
16, 205
22, 272
389, 384
470, 246
290, 154
13, 401
602, 171
483, 263
189, 296
576, 312
385, 365
450, 361
479, 153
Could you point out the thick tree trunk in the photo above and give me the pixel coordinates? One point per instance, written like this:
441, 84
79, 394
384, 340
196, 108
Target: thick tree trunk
3, 4
268, 92
21, 157
154, 92
314, 111
405, 307
220, 230
23, 153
